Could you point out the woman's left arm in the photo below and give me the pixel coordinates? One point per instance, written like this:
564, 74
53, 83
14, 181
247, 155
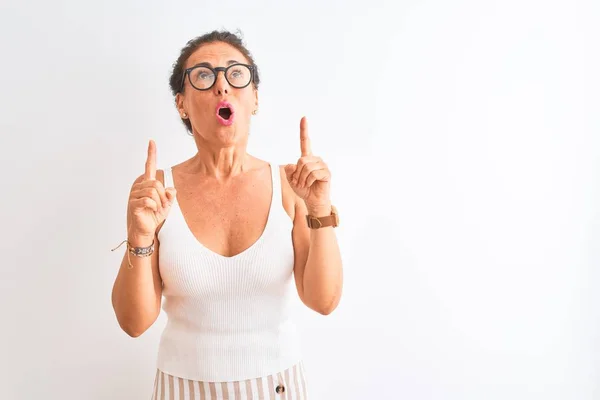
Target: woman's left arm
318, 262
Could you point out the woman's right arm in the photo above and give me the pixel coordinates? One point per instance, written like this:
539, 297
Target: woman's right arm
137, 291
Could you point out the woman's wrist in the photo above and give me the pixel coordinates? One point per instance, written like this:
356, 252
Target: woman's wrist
319, 211
139, 240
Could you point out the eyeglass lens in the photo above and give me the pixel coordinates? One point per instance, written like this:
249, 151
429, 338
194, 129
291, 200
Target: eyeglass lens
237, 75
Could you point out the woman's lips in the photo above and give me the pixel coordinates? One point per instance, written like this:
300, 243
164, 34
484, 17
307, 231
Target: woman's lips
225, 113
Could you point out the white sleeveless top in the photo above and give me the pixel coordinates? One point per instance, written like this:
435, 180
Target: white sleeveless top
229, 318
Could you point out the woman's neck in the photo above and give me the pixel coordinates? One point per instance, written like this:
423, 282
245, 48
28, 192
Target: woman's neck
221, 162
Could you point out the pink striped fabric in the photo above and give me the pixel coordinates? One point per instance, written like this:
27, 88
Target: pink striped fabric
292, 380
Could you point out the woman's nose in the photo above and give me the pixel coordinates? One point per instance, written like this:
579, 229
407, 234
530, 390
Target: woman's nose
221, 85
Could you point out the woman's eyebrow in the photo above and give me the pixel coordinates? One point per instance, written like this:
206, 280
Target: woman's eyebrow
207, 64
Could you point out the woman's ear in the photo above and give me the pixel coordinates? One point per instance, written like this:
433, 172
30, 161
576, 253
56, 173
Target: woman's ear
179, 105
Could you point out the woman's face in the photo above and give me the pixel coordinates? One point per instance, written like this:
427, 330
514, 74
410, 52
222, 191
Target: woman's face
207, 109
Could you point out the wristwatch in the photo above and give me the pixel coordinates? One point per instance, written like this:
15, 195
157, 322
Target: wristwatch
322, 222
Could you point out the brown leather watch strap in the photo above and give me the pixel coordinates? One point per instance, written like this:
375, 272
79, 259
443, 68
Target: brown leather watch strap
322, 222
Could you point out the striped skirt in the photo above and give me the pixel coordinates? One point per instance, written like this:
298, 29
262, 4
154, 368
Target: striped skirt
285, 385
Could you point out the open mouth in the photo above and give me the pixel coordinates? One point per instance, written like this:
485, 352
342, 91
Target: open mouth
225, 113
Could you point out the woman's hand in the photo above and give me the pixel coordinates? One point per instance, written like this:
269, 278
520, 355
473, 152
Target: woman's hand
149, 201
310, 177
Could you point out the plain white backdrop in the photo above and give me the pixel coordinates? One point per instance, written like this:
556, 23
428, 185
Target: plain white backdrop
464, 141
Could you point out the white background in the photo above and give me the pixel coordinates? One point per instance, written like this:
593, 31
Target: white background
464, 140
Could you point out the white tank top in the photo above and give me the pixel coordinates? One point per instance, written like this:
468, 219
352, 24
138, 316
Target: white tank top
229, 318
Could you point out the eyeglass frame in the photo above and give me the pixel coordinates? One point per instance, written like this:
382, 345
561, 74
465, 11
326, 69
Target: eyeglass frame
215, 71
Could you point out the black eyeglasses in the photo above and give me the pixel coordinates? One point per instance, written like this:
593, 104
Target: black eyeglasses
203, 77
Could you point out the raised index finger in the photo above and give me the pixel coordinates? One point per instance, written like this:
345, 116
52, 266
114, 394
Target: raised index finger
304, 139
150, 173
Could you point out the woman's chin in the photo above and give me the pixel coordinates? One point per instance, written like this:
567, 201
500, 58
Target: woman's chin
225, 135
229, 136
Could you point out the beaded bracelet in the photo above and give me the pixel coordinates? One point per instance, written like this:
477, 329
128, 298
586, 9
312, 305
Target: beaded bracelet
136, 251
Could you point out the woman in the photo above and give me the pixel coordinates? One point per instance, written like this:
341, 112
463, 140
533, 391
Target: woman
239, 231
